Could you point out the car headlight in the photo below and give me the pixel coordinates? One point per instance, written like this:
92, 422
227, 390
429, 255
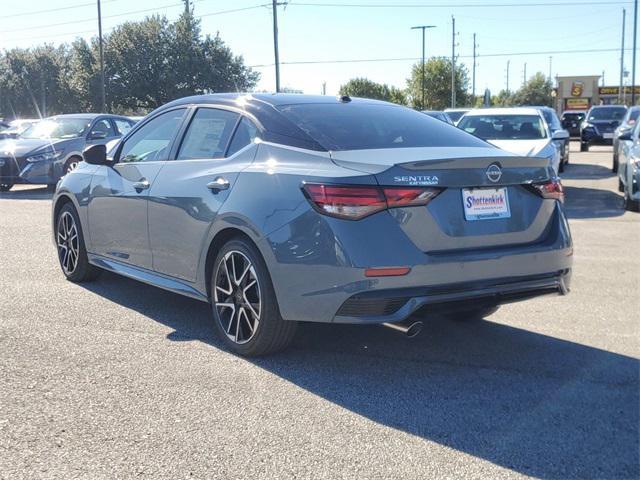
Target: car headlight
587, 125
43, 157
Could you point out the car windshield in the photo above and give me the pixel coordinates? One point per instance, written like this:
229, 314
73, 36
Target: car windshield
504, 127
607, 113
57, 128
359, 126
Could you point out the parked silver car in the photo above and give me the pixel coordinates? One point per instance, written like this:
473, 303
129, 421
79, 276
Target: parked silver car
627, 125
629, 168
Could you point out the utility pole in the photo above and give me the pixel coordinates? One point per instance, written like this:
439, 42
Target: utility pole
508, 63
324, 88
187, 7
275, 43
423, 28
473, 82
102, 87
453, 62
524, 74
624, 14
633, 55
602, 79
550, 64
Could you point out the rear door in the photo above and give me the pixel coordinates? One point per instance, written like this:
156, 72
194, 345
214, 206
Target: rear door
190, 189
118, 205
484, 200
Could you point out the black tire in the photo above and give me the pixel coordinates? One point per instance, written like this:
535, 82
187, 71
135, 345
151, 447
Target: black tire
561, 167
471, 314
584, 147
5, 187
614, 168
629, 204
228, 299
81, 270
71, 164
620, 185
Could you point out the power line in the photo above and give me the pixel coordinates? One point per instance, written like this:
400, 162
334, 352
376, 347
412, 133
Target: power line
78, 33
413, 59
58, 9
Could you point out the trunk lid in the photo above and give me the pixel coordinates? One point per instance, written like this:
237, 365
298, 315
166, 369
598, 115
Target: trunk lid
444, 225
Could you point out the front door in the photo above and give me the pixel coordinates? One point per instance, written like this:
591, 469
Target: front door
118, 199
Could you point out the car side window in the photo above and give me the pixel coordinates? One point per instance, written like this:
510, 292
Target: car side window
102, 129
153, 140
208, 134
243, 136
123, 126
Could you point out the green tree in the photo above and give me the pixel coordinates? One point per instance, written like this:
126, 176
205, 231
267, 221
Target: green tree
365, 88
503, 99
437, 82
536, 91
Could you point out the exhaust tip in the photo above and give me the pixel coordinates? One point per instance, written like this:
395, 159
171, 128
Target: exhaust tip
410, 329
414, 329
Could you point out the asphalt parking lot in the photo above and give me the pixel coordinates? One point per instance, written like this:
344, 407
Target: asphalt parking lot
116, 379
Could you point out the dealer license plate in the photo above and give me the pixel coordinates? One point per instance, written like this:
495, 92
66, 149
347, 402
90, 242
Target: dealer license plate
485, 203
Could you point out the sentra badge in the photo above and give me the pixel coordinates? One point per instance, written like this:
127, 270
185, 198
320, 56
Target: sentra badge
416, 179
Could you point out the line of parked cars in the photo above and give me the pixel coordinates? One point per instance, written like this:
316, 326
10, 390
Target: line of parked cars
42, 151
526, 131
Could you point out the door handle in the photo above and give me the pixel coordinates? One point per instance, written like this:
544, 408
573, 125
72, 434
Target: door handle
219, 184
142, 184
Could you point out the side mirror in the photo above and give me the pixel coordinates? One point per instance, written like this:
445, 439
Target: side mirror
97, 135
560, 135
625, 135
96, 155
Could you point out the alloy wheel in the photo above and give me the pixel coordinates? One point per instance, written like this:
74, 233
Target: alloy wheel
71, 166
68, 243
237, 297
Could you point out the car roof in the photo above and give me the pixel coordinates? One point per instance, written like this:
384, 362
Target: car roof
608, 106
88, 116
457, 109
240, 99
574, 111
504, 111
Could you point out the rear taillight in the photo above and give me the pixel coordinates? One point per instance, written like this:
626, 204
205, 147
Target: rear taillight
355, 202
552, 189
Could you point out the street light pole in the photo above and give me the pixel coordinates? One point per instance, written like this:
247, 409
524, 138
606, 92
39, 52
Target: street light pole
275, 43
102, 88
633, 55
423, 28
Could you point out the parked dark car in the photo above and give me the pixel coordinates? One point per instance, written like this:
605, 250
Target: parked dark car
571, 120
442, 116
599, 125
628, 123
560, 135
16, 127
53, 147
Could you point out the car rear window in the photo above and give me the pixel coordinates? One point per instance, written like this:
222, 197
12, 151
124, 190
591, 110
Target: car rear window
359, 126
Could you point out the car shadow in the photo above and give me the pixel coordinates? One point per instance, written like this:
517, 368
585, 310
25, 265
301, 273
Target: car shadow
42, 193
584, 202
586, 171
535, 404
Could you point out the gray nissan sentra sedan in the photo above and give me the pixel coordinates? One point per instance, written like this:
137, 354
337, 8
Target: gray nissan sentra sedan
284, 208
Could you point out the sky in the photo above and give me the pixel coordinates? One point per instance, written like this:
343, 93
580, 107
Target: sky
350, 33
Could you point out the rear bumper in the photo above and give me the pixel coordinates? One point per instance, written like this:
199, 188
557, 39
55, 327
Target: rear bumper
591, 136
397, 305
318, 270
